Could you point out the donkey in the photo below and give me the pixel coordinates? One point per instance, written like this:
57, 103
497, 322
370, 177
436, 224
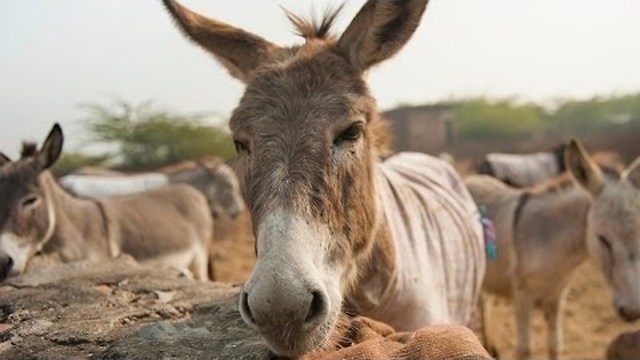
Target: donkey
215, 179
398, 240
168, 227
544, 233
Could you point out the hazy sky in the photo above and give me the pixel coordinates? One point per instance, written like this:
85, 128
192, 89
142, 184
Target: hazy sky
56, 54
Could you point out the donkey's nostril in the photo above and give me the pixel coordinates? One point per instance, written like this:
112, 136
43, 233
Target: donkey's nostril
10, 262
245, 310
317, 310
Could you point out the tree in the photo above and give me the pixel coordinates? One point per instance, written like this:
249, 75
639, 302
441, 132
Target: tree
148, 137
480, 118
70, 161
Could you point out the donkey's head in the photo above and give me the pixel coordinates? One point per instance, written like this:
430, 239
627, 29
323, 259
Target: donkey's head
26, 215
613, 226
223, 188
307, 135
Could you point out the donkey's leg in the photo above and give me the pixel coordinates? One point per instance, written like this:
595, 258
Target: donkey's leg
553, 316
523, 304
200, 264
483, 324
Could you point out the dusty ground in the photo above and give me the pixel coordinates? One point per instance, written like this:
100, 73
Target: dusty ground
590, 322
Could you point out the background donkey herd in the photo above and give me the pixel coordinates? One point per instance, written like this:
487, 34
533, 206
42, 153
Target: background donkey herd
340, 224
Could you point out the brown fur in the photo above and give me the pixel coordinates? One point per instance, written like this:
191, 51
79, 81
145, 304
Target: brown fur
292, 129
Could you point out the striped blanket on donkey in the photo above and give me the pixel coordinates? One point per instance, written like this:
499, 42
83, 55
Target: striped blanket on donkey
440, 258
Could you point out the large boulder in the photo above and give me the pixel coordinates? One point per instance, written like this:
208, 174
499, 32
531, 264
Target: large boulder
118, 310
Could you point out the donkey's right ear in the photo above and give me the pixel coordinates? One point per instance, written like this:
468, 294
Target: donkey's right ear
4, 159
239, 51
379, 30
52, 148
583, 169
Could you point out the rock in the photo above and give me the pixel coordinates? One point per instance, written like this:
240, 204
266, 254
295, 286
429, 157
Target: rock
118, 310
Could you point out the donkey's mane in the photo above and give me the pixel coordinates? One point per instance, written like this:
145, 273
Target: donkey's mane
314, 28
29, 149
557, 184
181, 166
565, 181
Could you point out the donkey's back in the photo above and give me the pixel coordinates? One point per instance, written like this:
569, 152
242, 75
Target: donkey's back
167, 226
439, 245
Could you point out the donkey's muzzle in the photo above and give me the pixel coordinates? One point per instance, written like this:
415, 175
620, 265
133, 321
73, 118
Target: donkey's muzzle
6, 263
287, 318
307, 311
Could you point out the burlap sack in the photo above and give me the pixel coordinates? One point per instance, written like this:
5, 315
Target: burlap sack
362, 338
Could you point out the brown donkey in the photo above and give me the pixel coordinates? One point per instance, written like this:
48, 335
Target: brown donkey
399, 240
167, 227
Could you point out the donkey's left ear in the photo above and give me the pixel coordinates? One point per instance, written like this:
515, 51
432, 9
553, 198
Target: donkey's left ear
379, 30
583, 168
632, 173
50, 152
237, 50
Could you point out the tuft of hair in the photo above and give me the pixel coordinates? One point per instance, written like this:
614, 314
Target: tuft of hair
29, 149
382, 137
314, 28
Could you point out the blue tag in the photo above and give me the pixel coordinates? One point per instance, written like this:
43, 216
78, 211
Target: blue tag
489, 231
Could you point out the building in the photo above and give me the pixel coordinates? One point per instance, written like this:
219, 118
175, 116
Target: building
426, 128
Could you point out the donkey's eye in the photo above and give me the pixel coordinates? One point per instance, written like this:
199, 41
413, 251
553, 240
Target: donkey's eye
241, 146
352, 133
29, 200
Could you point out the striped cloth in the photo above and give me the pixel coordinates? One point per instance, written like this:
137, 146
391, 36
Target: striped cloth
440, 259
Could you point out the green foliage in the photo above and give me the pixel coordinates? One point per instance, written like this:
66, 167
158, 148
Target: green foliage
483, 119
70, 161
581, 117
148, 137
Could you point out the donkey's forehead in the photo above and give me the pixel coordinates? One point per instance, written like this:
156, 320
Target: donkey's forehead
19, 172
619, 202
16, 179
322, 85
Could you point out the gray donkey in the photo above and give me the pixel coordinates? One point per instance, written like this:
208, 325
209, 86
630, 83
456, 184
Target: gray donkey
167, 227
544, 233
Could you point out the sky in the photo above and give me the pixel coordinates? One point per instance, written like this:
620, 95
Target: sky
58, 54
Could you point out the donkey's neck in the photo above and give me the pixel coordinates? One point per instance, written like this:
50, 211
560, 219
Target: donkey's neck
80, 227
376, 270
564, 214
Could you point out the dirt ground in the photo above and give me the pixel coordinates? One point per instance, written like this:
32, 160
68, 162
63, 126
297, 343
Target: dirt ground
590, 322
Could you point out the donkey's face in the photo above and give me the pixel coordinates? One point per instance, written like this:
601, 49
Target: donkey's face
26, 215
306, 131
613, 227
223, 190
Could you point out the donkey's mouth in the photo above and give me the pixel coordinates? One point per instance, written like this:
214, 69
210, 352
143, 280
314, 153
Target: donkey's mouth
298, 344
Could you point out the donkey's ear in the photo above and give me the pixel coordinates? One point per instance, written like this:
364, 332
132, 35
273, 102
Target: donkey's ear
51, 149
380, 30
632, 173
583, 169
4, 159
239, 51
